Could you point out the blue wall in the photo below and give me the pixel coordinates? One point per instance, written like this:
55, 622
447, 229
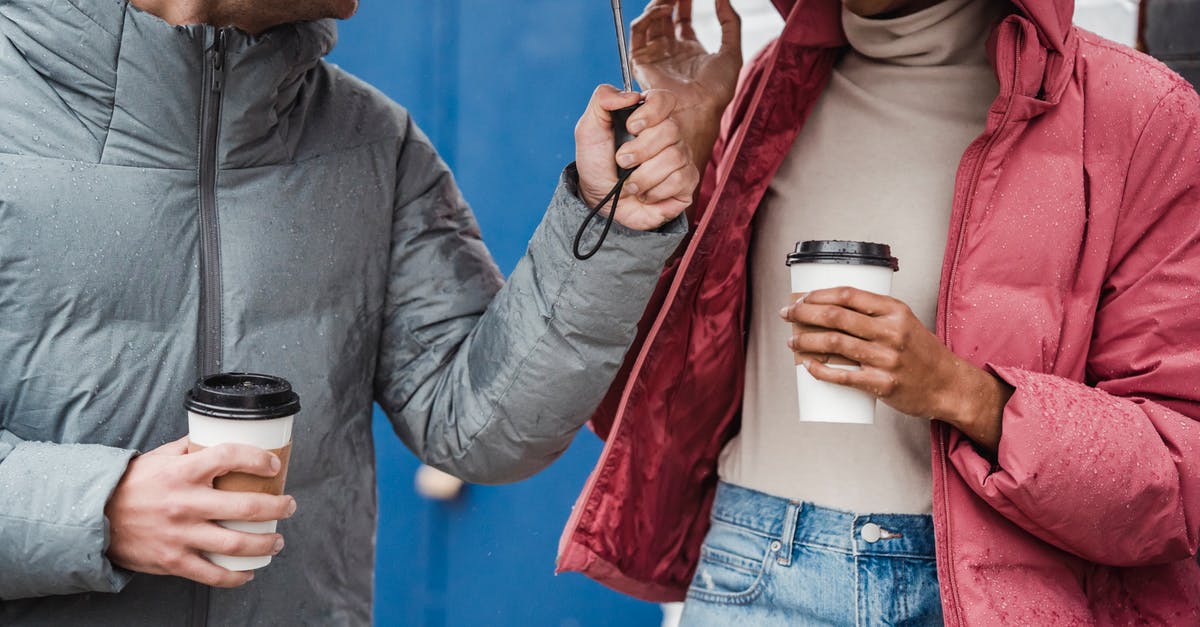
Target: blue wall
498, 86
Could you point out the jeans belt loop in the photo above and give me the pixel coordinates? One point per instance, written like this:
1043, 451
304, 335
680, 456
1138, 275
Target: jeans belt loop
790, 520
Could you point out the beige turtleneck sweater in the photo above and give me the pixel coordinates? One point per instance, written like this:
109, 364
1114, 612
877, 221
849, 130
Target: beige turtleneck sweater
876, 161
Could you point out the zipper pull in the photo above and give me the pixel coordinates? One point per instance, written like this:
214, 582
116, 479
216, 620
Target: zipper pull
217, 59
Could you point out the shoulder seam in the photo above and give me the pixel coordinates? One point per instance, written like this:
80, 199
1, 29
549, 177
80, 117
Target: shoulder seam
1148, 62
1137, 145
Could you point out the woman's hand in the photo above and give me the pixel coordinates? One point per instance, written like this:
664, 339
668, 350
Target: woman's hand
667, 55
903, 363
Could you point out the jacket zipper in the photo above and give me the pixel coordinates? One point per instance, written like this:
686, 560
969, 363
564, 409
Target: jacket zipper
209, 331
589, 486
210, 253
941, 432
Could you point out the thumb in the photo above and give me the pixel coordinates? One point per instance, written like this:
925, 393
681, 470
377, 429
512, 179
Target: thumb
595, 126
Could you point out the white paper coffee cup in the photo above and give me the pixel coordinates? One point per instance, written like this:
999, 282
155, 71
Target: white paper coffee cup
243, 408
824, 264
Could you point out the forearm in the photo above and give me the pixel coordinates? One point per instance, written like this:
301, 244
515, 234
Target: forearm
505, 400
53, 532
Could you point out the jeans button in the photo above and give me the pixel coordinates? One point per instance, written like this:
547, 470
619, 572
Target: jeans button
871, 532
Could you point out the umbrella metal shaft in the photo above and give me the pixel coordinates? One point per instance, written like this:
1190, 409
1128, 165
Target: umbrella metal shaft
626, 67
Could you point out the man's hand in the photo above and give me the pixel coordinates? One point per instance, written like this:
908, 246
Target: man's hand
665, 179
903, 363
160, 515
667, 55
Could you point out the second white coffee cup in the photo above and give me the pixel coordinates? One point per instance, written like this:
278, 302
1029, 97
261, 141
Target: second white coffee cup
243, 408
824, 264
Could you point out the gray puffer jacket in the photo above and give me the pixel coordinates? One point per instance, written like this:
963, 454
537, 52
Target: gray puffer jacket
177, 201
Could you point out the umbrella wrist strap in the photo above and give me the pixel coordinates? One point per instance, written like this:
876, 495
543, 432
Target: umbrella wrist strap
613, 196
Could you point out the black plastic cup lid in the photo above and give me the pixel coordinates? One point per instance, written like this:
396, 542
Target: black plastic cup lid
850, 253
243, 396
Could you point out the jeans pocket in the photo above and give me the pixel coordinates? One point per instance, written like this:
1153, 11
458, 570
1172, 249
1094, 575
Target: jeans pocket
733, 565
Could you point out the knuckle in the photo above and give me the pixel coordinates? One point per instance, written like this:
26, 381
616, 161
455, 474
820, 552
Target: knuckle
172, 561
176, 509
232, 544
888, 387
844, 294
246, 510
676, 158
221, 580
224, 454
177, 474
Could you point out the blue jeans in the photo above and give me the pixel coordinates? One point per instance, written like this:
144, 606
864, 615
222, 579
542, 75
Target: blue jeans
771, 561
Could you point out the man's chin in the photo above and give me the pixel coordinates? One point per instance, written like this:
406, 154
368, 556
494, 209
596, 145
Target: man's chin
344, 9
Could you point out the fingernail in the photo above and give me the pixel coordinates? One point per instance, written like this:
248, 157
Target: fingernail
250, 578
800, 298
632, 189
783, 312
805, 364
792, 343
278, 546
275, 464
625, 160
637, 126
291, 508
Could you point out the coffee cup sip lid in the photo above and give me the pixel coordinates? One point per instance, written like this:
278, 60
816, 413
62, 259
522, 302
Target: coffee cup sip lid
844, 252
243, 396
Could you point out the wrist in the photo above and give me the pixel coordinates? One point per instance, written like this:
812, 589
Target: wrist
702, 124
977, 410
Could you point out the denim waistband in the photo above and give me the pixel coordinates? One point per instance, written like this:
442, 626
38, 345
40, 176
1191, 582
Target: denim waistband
896, 535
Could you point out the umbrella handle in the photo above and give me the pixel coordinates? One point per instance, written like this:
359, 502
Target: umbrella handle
621, 135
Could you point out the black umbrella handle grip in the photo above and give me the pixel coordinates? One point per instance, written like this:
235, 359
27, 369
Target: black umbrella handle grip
621, 134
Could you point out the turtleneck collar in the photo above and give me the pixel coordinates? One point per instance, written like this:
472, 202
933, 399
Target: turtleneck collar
952, 32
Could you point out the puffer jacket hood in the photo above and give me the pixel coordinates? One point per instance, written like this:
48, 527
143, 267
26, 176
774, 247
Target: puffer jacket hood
178, 201
1070, 272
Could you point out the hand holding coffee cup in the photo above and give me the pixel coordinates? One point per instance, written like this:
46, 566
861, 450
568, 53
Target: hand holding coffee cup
900, 360
161, 514
246, 410
817, 265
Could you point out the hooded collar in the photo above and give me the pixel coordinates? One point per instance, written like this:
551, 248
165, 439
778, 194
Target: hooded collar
136, 81
1051, 17
1049, 50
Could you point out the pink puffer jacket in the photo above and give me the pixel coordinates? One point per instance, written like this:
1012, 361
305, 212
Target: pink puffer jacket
1072, 271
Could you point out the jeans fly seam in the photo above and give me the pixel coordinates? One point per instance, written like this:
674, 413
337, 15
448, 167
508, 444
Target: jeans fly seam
857, 584
790, 522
